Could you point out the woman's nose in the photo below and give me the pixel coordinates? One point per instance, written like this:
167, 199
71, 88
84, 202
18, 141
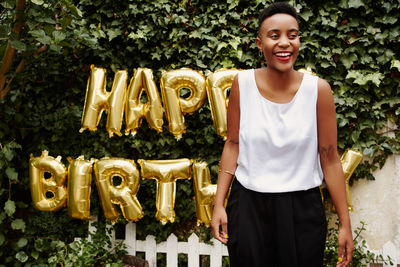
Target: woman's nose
284, 42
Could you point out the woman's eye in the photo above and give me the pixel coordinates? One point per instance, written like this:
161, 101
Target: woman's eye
274, 36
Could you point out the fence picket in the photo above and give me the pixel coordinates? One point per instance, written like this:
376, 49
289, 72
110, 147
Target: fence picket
92, 228
216, 257
172, 250
130, 238
193, 255
151, 250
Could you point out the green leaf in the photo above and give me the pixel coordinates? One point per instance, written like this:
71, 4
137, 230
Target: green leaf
355, 135
75, 11
385, 57
232, 4
21, 256
355, 3
12, 174
2, 239
38, 2
395, 64
195, 34
18, 45
389, 19
369, 151
386, 146
13, 145
41, 36
22, 242
234, 43
18, 224
74, 246
9, 207
35, 254
189, 141
221, 45
44, 39
58, 36
39, 245
112, 33
52, 259
58, 244
21, 204
4, 30
2, 216
8, 4
363, 77
8, 153
325, 64
306, 14
348, 60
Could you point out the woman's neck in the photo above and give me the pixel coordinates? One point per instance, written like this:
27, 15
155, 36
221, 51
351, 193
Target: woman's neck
279, 79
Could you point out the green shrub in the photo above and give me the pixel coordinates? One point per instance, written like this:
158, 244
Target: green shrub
361, 255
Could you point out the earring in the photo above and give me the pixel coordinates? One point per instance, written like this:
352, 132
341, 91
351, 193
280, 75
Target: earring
260, 53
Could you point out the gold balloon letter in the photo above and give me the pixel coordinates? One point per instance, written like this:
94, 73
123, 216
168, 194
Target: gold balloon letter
143, 80
166, 172
350, 160
79, 182
218, 84
117, 181
47, 182
175, 106
98, 99
204, 192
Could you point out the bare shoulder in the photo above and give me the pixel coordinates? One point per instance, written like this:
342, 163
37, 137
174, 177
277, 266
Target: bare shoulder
324, 90
323, 86
235, 87
235, 83
236, 78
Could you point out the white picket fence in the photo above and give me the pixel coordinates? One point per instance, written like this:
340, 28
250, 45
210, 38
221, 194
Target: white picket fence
171, 247
193, 248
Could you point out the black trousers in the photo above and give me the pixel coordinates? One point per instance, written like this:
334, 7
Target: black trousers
275, 229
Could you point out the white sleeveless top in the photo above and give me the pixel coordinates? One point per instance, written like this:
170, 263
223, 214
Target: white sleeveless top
278, 143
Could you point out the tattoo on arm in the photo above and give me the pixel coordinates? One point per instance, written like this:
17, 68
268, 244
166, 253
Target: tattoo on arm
326, 152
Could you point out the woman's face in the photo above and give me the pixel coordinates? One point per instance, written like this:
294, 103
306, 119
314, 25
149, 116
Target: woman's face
279, 41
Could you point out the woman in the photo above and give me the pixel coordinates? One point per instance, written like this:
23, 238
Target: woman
282, 142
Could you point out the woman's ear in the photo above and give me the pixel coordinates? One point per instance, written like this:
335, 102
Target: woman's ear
258, 42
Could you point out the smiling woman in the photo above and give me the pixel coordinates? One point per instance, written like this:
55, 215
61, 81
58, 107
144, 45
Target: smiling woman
278, 39
274, 216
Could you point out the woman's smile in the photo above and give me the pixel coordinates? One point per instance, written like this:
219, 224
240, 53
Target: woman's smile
283, 55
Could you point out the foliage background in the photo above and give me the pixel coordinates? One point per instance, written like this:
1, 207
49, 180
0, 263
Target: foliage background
352, 44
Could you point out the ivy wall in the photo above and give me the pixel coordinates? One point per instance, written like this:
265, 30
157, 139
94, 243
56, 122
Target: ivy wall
352, 44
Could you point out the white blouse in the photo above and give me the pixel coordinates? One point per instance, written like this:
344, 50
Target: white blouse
278, 143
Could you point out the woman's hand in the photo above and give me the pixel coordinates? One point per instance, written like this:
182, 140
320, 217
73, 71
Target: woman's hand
220, 220
346, 246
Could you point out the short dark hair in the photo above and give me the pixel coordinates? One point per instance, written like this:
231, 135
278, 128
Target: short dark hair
275, 8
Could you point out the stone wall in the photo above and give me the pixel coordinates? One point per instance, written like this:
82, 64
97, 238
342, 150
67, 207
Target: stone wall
377, 203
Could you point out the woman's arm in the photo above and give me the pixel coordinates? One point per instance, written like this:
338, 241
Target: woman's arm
227, 165
332, 168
